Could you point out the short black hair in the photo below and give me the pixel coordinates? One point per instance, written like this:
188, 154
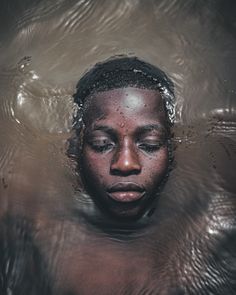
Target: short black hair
124, 71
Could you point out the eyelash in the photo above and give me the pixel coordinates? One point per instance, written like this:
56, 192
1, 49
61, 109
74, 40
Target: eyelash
149, 148
101, 148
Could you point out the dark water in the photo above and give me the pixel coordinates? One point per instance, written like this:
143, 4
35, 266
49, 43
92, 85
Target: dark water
45, 47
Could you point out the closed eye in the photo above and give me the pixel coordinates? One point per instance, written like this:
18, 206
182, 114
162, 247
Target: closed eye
101, 145
150, 147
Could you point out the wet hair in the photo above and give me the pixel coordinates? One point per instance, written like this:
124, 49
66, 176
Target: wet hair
120, 72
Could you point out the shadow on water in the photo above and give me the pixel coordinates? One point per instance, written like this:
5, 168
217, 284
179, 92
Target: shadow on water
187, 246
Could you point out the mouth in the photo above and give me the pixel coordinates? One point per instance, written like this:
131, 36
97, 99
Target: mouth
126, 192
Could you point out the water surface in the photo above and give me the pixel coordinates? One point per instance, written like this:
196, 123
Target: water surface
45, 48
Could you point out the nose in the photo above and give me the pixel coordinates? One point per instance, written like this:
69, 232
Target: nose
125, 161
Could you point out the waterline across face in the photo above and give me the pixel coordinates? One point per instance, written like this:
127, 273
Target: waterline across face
124, 154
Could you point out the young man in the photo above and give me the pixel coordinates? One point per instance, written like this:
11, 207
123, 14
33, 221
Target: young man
127, 109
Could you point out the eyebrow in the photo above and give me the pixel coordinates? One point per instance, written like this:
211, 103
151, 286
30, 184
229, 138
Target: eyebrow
107, 129
102, 128
151, 127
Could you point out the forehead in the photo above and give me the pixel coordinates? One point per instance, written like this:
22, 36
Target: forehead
126, 102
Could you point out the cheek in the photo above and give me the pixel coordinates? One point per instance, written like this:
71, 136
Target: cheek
95, 165
156, 167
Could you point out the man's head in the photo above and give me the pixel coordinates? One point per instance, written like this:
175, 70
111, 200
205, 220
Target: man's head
127, 108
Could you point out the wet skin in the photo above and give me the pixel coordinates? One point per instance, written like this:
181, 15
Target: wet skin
187, 247
124, 154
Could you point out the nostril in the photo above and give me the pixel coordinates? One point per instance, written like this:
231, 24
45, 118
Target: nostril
124, 172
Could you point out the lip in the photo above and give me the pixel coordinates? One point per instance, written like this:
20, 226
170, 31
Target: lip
126, 192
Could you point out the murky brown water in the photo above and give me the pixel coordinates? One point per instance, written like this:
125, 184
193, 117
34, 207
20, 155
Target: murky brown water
45, 47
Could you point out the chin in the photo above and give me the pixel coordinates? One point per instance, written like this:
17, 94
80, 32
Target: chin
125, 212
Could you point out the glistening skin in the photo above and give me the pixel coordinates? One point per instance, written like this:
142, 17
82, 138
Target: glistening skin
124, 153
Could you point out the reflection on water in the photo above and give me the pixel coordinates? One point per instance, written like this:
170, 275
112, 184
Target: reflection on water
48, 227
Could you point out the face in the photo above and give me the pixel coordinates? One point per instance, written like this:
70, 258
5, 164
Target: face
124, 153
